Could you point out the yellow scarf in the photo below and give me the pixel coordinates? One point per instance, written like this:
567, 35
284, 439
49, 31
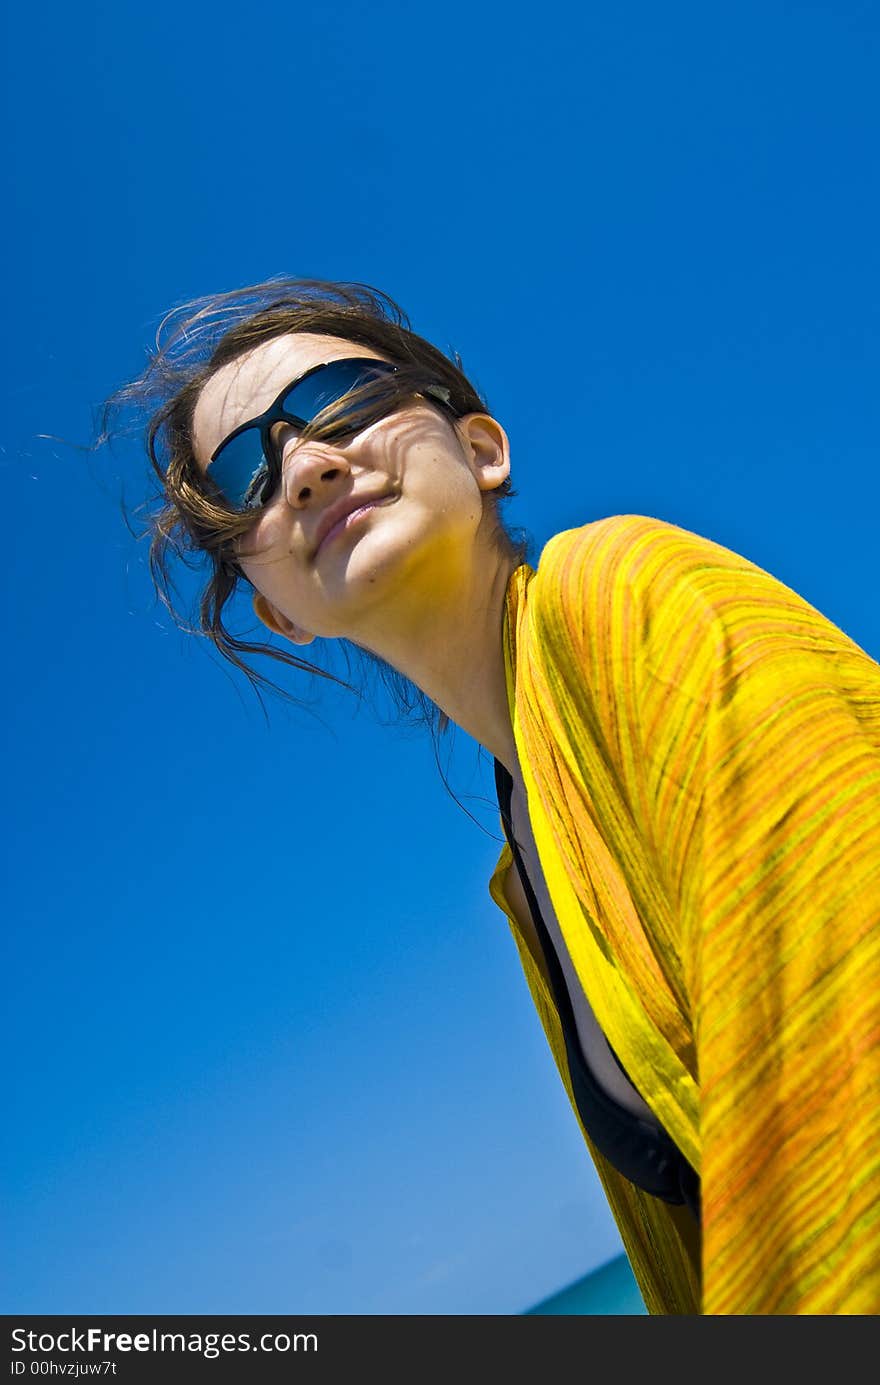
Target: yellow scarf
701, 753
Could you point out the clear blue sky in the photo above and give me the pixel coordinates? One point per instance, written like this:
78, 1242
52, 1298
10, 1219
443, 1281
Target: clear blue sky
253, 1067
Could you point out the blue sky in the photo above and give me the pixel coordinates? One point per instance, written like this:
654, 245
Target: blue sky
269, 1047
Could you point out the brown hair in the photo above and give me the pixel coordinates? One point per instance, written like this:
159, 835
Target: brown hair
188, 518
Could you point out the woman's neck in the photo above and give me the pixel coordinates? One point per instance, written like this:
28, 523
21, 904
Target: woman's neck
455, 654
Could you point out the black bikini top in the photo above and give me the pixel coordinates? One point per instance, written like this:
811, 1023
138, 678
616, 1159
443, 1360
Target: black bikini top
643, 1154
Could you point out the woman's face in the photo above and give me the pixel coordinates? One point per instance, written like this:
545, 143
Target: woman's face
425, 472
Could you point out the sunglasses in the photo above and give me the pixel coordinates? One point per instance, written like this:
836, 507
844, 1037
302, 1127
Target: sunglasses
246, 467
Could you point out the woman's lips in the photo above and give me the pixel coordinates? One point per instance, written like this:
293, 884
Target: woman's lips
350, 519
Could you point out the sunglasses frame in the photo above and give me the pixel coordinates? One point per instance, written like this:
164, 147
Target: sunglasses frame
275, 413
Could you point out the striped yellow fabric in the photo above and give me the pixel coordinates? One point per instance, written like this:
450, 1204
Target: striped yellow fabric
701, 751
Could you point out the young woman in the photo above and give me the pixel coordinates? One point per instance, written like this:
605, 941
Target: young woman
687, 758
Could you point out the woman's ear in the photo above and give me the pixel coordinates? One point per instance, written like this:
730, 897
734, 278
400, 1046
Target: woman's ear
274, 620
486, 447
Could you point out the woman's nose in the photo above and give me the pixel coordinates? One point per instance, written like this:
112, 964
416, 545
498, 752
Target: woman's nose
307, 468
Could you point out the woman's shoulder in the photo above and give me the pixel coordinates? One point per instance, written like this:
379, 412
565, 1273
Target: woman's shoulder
629, 581
622, 556
617, 540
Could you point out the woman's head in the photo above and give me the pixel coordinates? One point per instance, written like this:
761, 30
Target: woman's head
420, 470
428, 449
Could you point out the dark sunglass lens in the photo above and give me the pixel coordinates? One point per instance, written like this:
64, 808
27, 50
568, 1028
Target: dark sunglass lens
241, 471
330, 384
